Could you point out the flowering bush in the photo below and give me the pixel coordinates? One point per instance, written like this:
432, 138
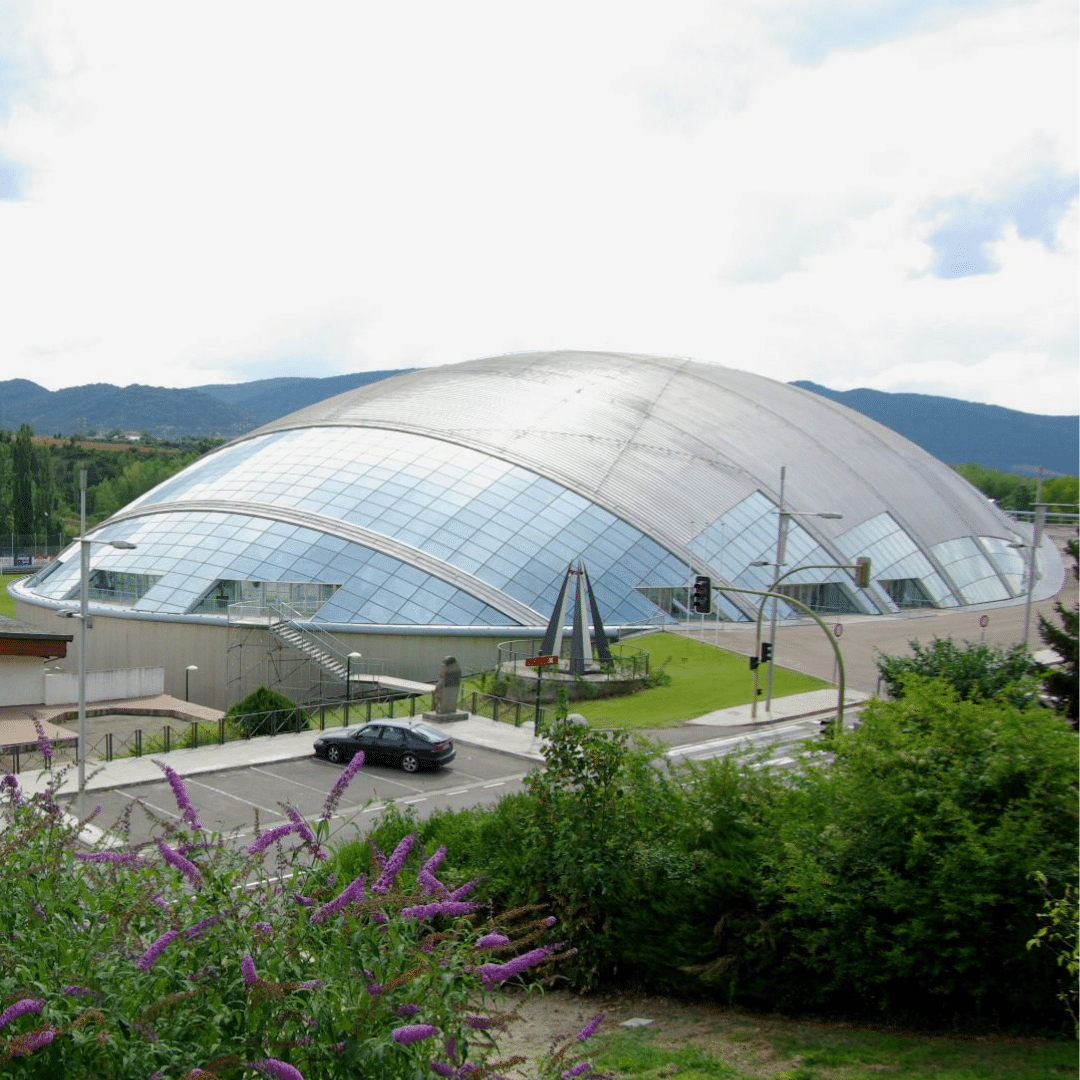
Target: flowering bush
187, 957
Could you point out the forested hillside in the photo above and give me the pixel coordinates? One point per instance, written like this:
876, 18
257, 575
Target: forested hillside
39, 481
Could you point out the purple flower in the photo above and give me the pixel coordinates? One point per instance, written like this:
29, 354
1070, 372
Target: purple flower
343, 782
200, 928
405, 1011
75, 991
577, 1070
374, 989
247, 969
497, 973
353, 891
305, 832
280, 1070
12, 785
174, 858
442, 1068
492, 941
126, 858
27, 1044
263, 928
20, 1008
183, 801
303, 901
146, 961
411, 1033
43, 741
310, 984
479, 1023
271, 836
426, 878
438, 907
394, 864
462, 890
589, 1030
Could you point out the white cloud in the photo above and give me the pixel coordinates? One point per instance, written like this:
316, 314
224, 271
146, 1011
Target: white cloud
224, 192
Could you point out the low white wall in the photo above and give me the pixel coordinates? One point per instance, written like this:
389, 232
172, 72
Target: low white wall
21, 680
62, 687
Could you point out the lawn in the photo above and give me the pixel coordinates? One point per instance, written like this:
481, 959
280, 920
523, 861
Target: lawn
703, 678
743, 1047
7, 604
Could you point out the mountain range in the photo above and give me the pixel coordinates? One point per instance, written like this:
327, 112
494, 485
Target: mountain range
952, 430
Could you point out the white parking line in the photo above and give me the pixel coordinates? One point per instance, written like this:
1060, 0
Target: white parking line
230, 795
290, 780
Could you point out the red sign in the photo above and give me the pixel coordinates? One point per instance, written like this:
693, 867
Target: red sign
541, 661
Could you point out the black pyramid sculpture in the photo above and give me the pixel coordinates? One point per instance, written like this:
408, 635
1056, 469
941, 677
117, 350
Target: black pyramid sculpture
580, 653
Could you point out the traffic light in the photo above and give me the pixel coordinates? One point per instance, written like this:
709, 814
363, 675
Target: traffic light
862, 571
701, 599
766, 651
753, 663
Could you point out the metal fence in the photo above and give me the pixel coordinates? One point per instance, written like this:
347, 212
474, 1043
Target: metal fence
178, 734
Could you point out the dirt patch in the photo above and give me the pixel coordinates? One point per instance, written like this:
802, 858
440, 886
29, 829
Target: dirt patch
548, 1020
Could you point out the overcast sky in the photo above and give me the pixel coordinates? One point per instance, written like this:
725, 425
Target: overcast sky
876, 193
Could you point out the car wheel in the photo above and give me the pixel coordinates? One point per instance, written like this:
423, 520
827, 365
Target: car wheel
410, 762
335, 754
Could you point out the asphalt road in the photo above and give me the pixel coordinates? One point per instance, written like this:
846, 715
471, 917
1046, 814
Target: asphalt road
228, 801
232, 800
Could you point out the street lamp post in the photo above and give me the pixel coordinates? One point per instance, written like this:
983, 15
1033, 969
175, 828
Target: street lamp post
781, 543
1029, 569
187, 680
348, 682
83, 615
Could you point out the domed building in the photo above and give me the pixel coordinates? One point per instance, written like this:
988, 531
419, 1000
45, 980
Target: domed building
437, 512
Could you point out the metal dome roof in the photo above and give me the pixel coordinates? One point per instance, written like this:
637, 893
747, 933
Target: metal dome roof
456, 496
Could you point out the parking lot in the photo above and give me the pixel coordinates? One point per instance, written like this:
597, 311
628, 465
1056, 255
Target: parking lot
229, 801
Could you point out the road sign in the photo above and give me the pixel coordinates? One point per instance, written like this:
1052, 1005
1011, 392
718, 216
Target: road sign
541, 661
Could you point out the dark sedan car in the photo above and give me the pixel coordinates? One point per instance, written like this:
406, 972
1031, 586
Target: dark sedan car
410, 744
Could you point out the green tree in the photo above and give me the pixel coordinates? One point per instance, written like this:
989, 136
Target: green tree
22, 484
46, 502
1061, 681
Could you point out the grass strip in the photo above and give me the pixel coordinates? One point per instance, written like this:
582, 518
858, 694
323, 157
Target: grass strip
701, 678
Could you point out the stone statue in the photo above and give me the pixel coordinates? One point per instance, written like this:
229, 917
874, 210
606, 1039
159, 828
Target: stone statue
444, 699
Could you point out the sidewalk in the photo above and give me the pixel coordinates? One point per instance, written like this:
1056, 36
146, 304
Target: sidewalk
475, 731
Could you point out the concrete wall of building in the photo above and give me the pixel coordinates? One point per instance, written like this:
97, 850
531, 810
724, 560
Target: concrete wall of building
231, 662
22, 680
62, 687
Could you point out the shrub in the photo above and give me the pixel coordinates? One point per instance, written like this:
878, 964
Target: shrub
266, 712
188, 958
976, 671
899, 877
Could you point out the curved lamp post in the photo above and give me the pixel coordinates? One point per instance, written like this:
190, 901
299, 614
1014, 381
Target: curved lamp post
781, 543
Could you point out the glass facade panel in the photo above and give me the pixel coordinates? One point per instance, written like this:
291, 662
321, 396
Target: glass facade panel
895, 556
1008, 561
506, 525
972, 571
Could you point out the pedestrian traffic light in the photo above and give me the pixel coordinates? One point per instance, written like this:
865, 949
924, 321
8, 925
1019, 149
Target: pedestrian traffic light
862, 571
766, 651
701, 600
